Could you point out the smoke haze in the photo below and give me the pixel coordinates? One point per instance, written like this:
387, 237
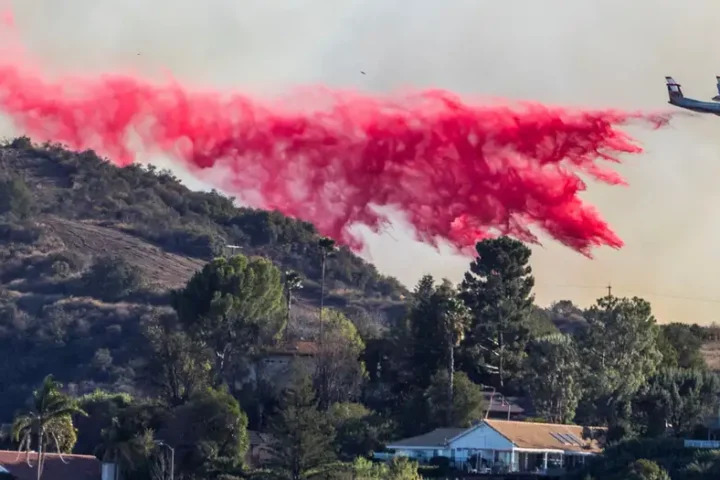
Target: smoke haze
602, 53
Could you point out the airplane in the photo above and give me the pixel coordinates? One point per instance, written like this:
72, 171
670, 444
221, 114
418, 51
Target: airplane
679, 100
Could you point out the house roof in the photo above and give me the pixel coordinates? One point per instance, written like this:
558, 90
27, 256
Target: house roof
74, 467
546, 436
531, 435
438, 438
497, 402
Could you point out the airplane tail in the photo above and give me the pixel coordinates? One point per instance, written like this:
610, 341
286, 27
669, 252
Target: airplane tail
675, 90
717, 97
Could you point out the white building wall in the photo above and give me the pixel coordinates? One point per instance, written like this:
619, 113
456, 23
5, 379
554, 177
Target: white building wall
482, 437
483, 441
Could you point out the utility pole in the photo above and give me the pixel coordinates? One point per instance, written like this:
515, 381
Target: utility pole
609, 288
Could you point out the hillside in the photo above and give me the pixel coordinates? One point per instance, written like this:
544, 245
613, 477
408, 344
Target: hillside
88, 250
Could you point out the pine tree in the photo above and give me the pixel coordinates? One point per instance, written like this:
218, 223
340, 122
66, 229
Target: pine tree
303, 436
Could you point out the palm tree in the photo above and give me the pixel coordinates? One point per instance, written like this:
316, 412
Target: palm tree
327, 247
45, 422
292, 283
124, 446
455, 318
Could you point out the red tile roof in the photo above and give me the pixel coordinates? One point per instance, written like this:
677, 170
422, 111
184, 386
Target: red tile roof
75, 467
547, 435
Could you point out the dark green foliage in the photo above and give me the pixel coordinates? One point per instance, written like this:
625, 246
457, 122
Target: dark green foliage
552, 377
498, 290
99, 317
16, 198
156, 206
50, 320
682, 398
619, 461
619, 354
101, 408
65, 338
19, 233
359, 431
684, 345
468, 402
176, 367
303, 437
231, 306
540, 322
111, 278
645, 470
427, 352
209, 433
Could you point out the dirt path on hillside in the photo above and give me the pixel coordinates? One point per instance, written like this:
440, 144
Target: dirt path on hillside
160, 267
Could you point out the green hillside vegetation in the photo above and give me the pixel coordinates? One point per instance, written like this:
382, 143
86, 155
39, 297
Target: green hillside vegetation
124, 322
89, 251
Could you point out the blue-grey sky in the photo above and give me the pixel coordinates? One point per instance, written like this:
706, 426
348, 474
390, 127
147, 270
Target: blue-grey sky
579, 52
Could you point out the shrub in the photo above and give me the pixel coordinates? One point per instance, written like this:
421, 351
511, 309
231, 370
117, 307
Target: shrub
16, 198
111, 278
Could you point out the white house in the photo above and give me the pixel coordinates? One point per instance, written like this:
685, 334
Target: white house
505, 446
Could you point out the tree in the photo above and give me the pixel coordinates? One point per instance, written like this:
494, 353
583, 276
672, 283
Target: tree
359, 431
552, 370
468, 402
292, 282
339, 370
399, 468
111, 278
682, 398
425, 354
209, 433
48, 423
540, 322
101, 407
177, 367
498, 291
302, 446
620, 345
129, 438
455, 316
685, 343
231, 306
645, 470
327, 247
16, 198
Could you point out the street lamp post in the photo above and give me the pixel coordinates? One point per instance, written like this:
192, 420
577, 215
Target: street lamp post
161, 443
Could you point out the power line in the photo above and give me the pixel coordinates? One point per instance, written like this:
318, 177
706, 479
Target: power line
632, 291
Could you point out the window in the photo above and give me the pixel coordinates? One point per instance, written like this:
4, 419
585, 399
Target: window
559, 438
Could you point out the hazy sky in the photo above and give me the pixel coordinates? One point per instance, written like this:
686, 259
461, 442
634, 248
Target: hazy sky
599, 53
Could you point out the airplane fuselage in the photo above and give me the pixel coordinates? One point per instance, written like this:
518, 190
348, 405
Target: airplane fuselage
696, 105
